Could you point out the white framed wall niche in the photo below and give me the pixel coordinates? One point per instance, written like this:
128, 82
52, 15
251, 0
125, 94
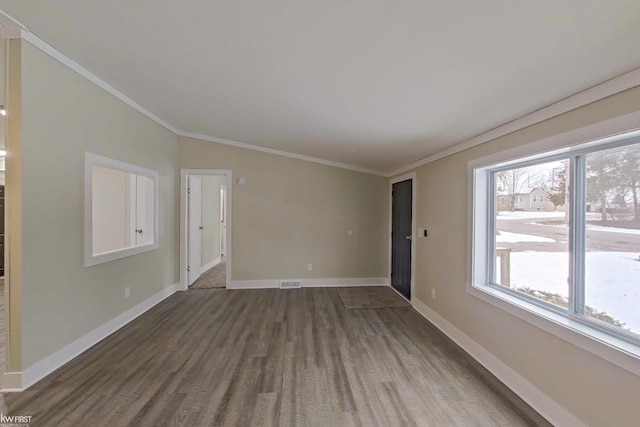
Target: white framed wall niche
121, 209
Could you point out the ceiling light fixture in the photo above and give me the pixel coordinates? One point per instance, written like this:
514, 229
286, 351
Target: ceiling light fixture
3, 111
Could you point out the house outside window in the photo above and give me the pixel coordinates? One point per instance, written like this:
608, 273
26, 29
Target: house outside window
570, 244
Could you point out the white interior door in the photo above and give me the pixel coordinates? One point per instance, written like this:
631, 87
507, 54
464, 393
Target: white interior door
223, 220
145, 202
195, 228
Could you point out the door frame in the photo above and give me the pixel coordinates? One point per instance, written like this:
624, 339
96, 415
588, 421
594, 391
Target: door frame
184, 223
414, 235
223, 199
193, 197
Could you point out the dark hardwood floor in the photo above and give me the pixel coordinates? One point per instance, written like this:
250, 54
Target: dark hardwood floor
266, 358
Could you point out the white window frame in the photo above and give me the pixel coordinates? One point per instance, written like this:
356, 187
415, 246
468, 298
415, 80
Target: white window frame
613, 347
95, 160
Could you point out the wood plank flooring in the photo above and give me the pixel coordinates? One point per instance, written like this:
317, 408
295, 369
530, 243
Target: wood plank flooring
271, 357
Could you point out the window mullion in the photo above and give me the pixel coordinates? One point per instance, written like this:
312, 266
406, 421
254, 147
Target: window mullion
577, 237
491, 229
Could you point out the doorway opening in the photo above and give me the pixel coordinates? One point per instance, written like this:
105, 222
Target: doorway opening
205, 231
402, 231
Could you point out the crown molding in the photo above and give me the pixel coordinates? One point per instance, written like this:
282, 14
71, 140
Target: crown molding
11, 28
282, 153
65, 60
603, 90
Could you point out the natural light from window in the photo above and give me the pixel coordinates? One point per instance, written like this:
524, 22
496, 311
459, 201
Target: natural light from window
563, 233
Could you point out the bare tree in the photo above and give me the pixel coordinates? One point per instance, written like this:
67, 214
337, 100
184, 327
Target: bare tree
513, 182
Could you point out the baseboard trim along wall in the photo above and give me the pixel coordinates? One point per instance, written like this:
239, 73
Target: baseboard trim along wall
209, 266
310, 283
19, 381
11, 382
539, 401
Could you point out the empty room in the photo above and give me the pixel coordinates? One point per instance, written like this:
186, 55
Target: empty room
336, 213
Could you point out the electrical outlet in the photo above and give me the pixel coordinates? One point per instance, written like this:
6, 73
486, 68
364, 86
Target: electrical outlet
433, 293
127, 292
309, 267
350, 232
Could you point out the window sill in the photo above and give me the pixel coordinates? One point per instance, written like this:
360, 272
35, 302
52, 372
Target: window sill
103, 257
612, 349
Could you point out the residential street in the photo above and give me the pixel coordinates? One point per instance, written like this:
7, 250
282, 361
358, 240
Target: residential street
615, 240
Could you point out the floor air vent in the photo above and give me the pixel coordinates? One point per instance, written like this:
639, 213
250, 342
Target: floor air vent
291, 284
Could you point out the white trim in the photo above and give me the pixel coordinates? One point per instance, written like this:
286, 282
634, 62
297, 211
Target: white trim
613, 350
281, 153
603, 90
9, 27
62, 58
11, 382
70, 63
414, 234
184, 232
398, 293
19, 381
90, 258
212, 264
310, 283
610, 87
535, 398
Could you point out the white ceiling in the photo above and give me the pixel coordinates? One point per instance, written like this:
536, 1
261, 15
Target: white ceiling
372, 83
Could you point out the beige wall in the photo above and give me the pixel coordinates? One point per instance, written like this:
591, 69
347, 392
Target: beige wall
64, 115
292, 213
211, 217
592, 389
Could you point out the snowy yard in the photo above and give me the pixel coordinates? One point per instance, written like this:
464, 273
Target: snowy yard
520, 215
540, 261
507, 237
612, 280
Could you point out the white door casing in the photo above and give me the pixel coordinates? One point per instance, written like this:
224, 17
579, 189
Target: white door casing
194, 227
184, 222
223, 220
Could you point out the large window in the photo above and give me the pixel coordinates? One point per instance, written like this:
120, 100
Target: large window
561, 231
120, 209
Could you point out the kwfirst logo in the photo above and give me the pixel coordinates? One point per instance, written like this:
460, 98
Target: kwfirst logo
14, 420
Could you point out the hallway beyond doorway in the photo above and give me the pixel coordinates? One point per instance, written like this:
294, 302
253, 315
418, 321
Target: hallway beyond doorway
214, 278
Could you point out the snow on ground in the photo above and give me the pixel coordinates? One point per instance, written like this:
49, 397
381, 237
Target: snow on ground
507, 237
519, 215
612, 280
613, 229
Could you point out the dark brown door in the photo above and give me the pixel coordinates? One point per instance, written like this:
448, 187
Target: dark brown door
401, 207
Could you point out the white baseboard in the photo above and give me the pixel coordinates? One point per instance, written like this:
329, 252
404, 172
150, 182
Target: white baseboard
311, 283
19, 381
11, 382
543, 404
209, 266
